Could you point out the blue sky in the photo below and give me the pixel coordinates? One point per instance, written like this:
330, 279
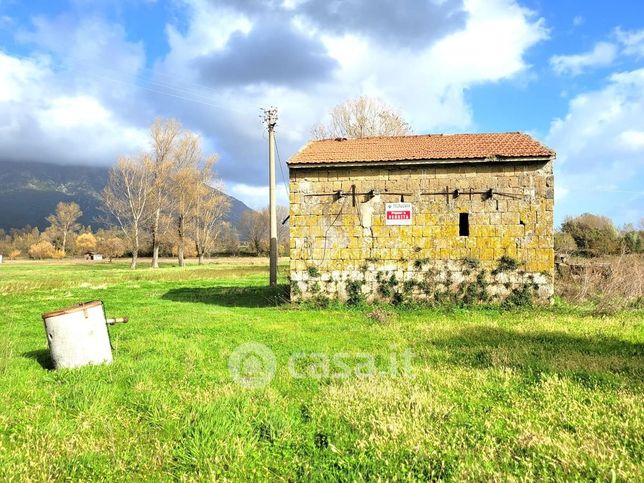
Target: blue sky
81, 80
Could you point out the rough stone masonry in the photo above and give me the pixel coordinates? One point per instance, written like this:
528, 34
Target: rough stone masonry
465, 218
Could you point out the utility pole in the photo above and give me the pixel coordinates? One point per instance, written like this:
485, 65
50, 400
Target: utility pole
270, 119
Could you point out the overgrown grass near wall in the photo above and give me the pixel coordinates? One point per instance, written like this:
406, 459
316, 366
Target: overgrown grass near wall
551, 392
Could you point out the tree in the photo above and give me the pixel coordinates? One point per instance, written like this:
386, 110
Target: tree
256, 229
110, 245
360, 118
44, 249
594, 235
164, 135
209, 210
228, 239
127, 199
86, 242
190, 172
63, 222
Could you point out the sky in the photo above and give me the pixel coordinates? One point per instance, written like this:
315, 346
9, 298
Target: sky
82, 80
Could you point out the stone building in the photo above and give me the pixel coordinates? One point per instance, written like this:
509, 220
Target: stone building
467, 217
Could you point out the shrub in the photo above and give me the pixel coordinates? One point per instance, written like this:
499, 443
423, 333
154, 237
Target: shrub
42, 249
594, 235
564, 242
13, 254
632, 241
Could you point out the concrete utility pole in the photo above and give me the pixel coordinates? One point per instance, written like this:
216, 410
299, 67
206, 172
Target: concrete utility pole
270, 119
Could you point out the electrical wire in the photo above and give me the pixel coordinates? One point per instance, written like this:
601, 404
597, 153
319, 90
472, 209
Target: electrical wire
279, 161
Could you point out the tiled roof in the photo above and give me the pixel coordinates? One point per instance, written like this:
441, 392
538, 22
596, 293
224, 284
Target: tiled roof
425, 147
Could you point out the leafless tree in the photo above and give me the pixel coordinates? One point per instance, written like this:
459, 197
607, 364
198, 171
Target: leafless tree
256, 230
228, 239
127, 198
63, 222
164, 136
209, 210
360, 118
190, 172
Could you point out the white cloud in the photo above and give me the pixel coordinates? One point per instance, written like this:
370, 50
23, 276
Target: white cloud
632, 42
632, 139
76, 98
603, 54
427, 84
622, 44
256, 197
91, 97
600, 149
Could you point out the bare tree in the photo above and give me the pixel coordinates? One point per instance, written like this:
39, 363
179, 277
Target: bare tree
190, 170
164, 135
362, 117
209, 210
228, 239
127, 198
255, 228
63, 222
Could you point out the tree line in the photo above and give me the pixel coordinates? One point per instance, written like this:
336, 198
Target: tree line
166, 200
591, 235
170, 188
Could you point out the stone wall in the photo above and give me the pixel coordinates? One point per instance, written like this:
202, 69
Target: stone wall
343, 251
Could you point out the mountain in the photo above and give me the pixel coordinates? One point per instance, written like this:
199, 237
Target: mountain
29, 193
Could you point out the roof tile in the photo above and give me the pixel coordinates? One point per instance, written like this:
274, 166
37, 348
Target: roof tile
424, 147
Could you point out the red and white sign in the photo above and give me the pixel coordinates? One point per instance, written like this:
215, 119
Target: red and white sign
398, 214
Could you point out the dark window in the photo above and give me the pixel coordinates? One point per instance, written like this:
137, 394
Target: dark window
464, 224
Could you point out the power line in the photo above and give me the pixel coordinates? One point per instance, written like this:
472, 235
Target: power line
279, 160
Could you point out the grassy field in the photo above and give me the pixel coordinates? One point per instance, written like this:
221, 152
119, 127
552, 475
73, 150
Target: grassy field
540, 393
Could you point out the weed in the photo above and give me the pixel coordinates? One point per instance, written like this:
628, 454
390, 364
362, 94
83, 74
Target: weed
506, 264
519, 297
354, 292
313, 271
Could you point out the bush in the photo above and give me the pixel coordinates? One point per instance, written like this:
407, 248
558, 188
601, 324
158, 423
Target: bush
594, 235
42, 249
564, 242
632, 241
13, 254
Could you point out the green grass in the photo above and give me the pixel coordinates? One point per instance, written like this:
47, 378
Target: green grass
533, 394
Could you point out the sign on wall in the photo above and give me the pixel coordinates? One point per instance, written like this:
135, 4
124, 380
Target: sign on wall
398, 214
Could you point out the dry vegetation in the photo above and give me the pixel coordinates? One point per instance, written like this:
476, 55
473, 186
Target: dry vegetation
610, 283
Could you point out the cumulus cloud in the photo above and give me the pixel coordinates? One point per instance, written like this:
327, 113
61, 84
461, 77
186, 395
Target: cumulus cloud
603, 54
632, 42
622, 44
600, 146
407, 23
92, 92
271, 53
57, 106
